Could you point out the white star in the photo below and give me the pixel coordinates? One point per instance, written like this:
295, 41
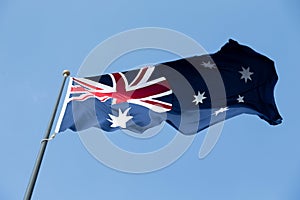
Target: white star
209, 65
240, 99
199, 98
246, 74
120, 120
220, 110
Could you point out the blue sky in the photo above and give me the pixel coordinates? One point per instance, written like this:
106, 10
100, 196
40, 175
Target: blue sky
252, 160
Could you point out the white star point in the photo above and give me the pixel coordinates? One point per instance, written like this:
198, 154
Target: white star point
240, 99
208, 65
246, 74
221, 110
199, 98
121, 120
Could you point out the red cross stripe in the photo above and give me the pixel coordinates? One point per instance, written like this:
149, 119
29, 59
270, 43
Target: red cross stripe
140, 91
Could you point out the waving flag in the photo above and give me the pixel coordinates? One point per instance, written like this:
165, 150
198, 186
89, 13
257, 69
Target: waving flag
185, 93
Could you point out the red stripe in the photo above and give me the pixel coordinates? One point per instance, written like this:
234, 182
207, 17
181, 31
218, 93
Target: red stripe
82, 97
100, 94
150, 90
78, 89
140, 76
157, 104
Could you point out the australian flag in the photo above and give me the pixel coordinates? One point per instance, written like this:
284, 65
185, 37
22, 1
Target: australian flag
189, 94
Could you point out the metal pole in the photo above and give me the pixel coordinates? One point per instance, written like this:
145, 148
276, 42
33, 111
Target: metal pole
44, 142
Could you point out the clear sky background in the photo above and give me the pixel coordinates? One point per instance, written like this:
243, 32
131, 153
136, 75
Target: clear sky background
38, 39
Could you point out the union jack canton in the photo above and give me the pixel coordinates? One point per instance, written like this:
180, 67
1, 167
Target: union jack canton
141, 90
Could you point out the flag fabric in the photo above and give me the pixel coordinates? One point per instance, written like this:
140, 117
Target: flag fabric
189, 94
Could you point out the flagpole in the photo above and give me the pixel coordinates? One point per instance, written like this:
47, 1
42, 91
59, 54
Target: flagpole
44, 143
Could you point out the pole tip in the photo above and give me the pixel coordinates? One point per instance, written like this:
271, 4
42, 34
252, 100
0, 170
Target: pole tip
66, 73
